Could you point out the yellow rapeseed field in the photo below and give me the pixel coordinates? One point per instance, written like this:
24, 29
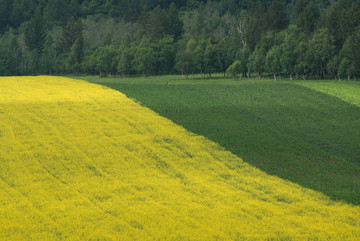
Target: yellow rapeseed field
82, 162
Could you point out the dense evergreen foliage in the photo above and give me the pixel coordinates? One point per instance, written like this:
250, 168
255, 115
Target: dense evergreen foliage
299, 39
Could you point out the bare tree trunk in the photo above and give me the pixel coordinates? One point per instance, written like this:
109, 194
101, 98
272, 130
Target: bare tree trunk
322, 72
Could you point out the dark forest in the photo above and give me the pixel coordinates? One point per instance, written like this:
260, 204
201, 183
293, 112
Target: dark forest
294, 39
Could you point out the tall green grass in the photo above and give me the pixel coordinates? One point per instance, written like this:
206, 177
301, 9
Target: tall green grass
284, 128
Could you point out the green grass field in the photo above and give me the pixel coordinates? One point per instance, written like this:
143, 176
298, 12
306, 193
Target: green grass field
305, 131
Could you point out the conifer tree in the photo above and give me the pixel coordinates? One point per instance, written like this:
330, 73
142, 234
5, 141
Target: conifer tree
5, 10
36, 32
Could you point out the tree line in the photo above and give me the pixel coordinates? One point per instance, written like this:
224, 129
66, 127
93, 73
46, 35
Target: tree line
297, 39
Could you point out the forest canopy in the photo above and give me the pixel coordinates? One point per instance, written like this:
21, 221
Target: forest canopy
241, 38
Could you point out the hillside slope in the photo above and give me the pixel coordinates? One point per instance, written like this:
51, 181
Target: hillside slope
80, 161
306, 135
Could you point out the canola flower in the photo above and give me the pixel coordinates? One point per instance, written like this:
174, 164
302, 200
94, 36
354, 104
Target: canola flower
82, 162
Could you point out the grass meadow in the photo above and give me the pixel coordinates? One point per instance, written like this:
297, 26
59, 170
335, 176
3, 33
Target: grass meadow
80, 161
307, 132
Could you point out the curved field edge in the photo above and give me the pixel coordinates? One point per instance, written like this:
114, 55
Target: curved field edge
285, 129
79, 161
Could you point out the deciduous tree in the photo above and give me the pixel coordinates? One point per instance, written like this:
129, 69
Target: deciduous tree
273, 60
211, 59
256, 63
235, 69
144, 58
293, 36
243, 55
321, 49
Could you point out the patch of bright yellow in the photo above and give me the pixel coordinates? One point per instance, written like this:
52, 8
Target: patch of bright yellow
82, 162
